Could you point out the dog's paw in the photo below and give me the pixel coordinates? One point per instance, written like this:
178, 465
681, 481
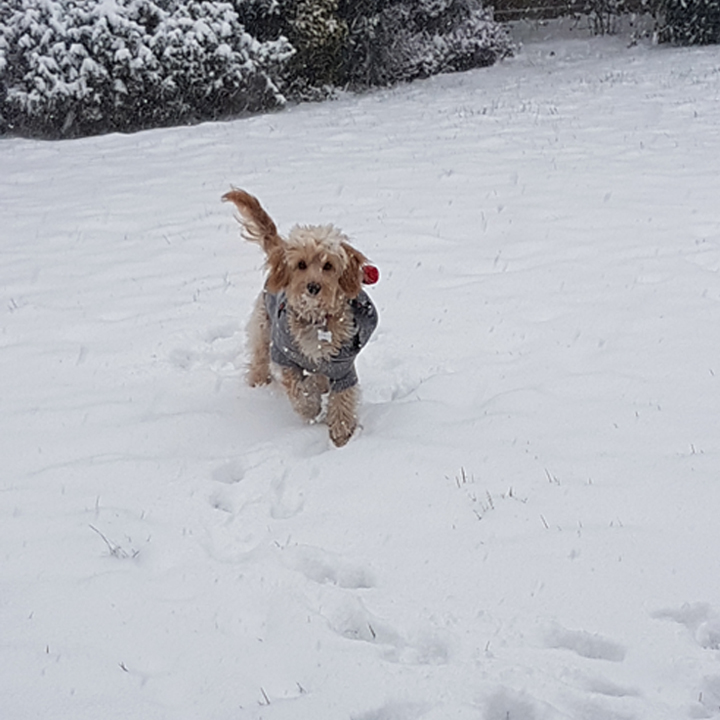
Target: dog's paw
341, 433
258, 377
305, 392
307, 406
342, 429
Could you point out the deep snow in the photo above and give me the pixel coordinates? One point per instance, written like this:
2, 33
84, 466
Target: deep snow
526, 528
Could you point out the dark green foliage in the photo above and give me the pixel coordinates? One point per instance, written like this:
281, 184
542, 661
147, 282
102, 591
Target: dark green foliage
364, 43
319, 35
690, 22
403, 40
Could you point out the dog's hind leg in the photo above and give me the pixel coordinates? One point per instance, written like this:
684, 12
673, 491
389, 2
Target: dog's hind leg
258, 334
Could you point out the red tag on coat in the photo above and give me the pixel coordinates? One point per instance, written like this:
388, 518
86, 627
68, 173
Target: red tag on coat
370, 274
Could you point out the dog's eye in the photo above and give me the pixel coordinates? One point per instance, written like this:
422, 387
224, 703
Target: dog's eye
302, 265
327, 267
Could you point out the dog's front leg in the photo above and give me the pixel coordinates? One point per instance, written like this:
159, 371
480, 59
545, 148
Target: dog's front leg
305, 391
342, 414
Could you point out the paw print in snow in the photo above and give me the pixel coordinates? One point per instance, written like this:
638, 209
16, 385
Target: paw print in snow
700, 620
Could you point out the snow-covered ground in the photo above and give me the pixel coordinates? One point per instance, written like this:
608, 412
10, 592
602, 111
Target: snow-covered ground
526, 528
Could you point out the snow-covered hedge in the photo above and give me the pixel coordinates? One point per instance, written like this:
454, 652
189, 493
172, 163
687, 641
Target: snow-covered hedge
690, 22
320, 35
363, 43
77, 67
89, 66
406, 39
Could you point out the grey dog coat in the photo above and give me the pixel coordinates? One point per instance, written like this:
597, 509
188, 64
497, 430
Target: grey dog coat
340, 368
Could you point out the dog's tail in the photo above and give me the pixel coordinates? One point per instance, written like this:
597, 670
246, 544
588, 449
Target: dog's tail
257, 224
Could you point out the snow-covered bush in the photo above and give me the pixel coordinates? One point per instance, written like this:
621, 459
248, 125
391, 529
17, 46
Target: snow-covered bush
319, 35
363, 43
604, 14
6, 10
690, 22
89, 66
76, 67
406, 39
263, 19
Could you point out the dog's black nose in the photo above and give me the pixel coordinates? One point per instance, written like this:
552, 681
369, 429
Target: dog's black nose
313, 288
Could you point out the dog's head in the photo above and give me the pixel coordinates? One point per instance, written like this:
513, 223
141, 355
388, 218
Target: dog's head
317, 268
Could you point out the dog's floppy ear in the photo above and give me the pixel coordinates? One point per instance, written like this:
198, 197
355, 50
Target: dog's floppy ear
279, 276
351, 280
